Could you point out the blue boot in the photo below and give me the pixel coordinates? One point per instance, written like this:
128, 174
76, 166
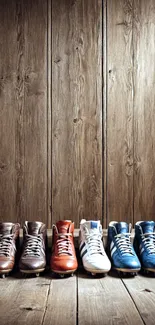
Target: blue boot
123, 256
144, 244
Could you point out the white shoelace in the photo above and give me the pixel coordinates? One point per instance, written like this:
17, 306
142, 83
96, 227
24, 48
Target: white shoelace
64, 244
33, 245
149, 242
93, 240
5, 244
124, 243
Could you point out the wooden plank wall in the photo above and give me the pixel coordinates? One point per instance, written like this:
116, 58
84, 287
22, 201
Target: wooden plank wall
144, 109
77, 110
23, 106
119, 111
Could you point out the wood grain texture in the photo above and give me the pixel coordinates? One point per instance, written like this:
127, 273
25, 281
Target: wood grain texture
81, 299
35, 110
144, 112
24, 299
105, 301
81, 128
119, 110
76, 109
62, 302
19, 127
8, 105
24, 117
142, 291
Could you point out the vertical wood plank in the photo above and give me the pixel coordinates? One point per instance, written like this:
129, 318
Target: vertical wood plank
77, 109
35, 110
144, 112
119, 110
19, 129
142, 291
105, 301
8, 105
62, 302
26, 300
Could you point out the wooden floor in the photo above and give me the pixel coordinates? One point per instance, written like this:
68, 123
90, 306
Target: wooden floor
81, 299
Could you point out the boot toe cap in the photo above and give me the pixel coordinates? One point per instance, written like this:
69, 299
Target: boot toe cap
97, 263
128, 263
32, 264
6, 264
61, 264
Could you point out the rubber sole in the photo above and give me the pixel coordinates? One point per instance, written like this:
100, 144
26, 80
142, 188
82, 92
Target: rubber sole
63, 272
126, 270
149, 270
32, 271
5, 271
95, 271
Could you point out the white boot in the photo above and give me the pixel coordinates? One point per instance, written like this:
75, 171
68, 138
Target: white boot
91, 247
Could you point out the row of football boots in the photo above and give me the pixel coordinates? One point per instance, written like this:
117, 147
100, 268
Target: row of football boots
121, 254
33, 255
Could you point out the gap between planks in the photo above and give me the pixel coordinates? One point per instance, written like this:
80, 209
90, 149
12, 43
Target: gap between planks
77, 300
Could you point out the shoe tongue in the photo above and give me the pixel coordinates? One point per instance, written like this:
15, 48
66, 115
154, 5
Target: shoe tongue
6, 228
122, 227
147, 226
91, 225
63, 226
33, 227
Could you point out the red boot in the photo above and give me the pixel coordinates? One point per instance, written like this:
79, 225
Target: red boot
63, 259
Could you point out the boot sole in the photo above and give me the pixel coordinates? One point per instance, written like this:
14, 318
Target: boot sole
149, 270
63, 272
5, 271
126, 270
96, 271
32, 271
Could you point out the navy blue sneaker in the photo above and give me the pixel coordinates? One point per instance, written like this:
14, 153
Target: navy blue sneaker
144, 244
121, 251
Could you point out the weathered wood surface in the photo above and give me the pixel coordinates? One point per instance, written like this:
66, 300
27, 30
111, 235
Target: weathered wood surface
35, 110
105, 301
62, 302
8, 106
23, 301
23, 110
144, 111
77, 109
80, 300
119, 111
142, 291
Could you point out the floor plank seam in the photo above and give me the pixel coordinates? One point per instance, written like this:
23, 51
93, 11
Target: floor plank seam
133, 302
46, 305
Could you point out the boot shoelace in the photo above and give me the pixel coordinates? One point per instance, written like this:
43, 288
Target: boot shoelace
5, 244
94, 242
124, 243
33, 245
149, 241
64, 244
